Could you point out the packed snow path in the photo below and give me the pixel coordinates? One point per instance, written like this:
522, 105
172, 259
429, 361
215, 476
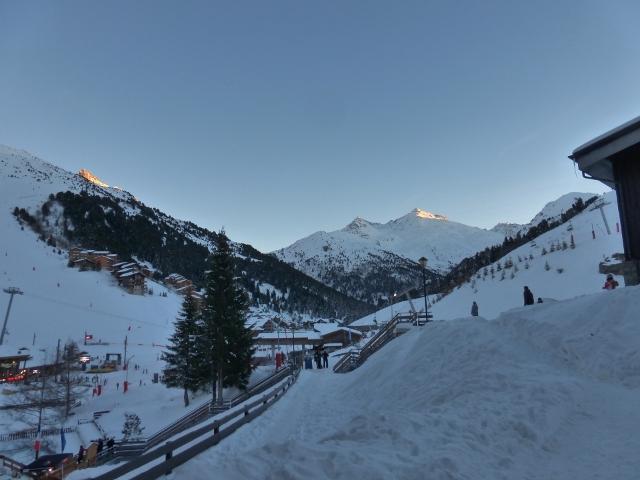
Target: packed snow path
549, 391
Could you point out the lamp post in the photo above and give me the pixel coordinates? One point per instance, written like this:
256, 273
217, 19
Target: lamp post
423, 264
392, 299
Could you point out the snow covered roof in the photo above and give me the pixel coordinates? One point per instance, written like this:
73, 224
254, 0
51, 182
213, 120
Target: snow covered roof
328, 328
594, 157
308, 334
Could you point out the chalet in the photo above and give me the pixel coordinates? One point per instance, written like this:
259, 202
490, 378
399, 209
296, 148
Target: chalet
613, 158
286, 337
336, 334
95, 259
177, 281
132, 280
105, 261
84, 264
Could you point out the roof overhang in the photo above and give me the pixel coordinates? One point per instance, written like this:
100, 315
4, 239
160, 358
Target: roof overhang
595, 158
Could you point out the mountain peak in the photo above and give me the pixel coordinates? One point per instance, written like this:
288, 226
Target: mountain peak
357, 224
90, 177
418, 212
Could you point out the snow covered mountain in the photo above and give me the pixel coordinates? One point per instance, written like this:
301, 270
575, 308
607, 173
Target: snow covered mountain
369, 260
550, 212
66, 209
548, 265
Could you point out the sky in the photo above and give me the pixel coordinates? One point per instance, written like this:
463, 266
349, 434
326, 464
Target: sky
278, 119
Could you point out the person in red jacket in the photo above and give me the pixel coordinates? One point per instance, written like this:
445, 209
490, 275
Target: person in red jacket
610, 284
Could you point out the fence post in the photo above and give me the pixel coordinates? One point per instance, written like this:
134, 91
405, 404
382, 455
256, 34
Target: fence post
265, 400
246, 411
168, 457
216, 428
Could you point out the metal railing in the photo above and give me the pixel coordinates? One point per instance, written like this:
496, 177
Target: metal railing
357, 356
198, 415
211, 435
33, 433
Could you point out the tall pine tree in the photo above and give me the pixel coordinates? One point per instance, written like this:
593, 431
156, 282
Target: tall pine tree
226, 345
183, 369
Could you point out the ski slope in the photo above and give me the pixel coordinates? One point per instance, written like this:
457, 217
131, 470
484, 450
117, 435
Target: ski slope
571, 272
542, 392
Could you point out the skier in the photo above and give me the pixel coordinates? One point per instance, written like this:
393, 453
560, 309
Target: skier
610, 284
474, 309
528, 296
325, 358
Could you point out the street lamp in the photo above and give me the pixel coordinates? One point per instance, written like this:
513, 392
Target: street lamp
423, 264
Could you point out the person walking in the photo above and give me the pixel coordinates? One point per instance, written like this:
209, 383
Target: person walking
610, 284
317, 358
100, 446
474, 309
81, 454
528, 296
325, 358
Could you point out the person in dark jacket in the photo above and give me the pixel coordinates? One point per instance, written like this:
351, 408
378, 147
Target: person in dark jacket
474, 309
528, 296
100, 446
325, 358
110, 443
81, 454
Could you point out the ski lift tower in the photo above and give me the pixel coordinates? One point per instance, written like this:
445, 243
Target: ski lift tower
613, 158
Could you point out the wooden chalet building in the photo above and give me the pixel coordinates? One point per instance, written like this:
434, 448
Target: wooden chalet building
613, 158
92, 259
178, 282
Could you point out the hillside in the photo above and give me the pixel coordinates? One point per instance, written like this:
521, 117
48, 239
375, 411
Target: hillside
560, 273
543, 392
369, 260
66, 209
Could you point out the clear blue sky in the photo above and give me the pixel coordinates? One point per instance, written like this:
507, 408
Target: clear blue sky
275, 119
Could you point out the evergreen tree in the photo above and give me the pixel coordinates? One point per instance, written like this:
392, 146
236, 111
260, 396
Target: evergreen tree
226, 343
131, 429
183, 366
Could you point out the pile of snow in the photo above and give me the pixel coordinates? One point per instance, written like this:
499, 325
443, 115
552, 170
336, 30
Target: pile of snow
548, 391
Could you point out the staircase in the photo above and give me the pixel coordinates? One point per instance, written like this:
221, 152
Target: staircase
398, 325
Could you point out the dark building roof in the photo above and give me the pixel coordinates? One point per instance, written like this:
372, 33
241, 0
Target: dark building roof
48, 461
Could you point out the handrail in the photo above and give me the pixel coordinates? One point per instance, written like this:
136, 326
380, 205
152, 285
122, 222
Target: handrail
355, 358
213, 434
198, 415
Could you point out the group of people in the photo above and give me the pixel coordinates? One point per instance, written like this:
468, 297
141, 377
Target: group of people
100, 444
609, 284
321, 357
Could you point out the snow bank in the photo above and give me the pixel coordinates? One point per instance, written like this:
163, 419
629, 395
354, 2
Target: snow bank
548, 391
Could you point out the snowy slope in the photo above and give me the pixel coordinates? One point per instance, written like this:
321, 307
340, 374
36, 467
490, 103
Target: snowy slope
579, 269
550, 212
543, 392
